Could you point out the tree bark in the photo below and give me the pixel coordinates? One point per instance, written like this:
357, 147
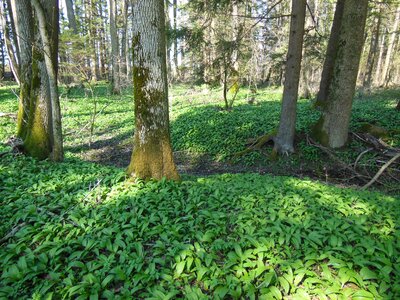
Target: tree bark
47, 13
332, 50
372, 54
388, 58
152, 154
124, 39
71, 16
176, 67
9, 43
332, 128
115, 78
23, 21
287, 125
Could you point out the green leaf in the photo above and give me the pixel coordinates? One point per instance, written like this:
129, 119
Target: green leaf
107, 280
362, 295
367, 274
180, 266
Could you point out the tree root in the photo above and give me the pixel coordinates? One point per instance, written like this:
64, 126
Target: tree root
256, 144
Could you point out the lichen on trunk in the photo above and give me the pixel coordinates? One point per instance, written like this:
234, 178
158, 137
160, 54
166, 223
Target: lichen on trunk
152, 156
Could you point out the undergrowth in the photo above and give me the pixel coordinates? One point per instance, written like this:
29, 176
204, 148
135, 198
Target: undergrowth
84, 231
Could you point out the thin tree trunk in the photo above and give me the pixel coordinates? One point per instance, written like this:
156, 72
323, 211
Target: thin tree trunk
152, 153
388, 59
71, 16
12, 55
176, 67
287, 125
92, 42
124, 34
372, 54
102, 46
332, 128
115, 78
378, 70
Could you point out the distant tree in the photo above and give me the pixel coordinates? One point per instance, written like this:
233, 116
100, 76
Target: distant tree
390, 49
287, 125
340, 73
152, 154
115, 76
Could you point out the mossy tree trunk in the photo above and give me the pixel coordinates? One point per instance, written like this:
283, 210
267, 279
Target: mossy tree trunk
23, 21
287, 125
152, 154
39, 118
335, 99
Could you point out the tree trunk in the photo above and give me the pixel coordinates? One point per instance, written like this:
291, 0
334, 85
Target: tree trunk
329, 64
23, 21
388, 58
47, 13
152, 154
176, 67
115, 79
287, 125
372, 54
12, 55
71, 16
378, 70
124, 35
92, 41
332, 128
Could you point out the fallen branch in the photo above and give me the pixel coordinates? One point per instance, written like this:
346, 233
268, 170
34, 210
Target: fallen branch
8, 115
12, 233
335, 158
361, 154
381, 170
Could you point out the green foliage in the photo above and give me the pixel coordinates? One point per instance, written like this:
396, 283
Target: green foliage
87, 232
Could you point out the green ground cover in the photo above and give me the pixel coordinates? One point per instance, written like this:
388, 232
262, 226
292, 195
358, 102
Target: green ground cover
79, 229
85, 231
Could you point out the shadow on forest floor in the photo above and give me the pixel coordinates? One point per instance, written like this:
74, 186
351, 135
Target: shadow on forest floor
244, 233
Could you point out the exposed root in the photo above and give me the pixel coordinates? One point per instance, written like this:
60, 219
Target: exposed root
256, 144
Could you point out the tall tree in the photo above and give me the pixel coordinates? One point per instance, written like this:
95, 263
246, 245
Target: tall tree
332, 128
287, 125
390, 48
152, 154
71, 16
115, 76
39, 119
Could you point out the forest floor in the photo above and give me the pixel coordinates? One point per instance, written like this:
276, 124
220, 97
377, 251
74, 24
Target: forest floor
206, 137
82, 229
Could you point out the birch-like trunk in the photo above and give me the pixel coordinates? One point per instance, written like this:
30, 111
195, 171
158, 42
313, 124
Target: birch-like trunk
388, 58
11, 45
152, 154
287, 125
332, 128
